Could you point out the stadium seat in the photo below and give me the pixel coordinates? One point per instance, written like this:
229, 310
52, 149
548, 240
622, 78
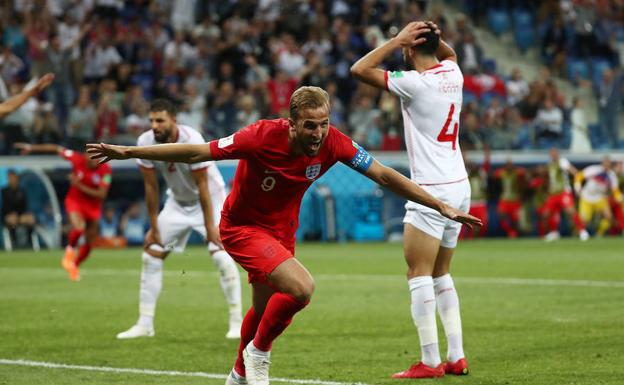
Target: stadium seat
598, 66
522, 19
498, 21
524, 37
577, 69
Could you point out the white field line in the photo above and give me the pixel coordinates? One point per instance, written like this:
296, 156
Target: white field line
150, 372
347, 277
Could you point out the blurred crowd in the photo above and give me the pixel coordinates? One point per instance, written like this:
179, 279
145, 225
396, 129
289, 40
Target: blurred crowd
230, 63
578, 40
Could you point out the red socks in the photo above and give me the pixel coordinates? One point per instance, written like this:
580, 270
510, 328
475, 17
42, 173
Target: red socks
83, 253
278, 314
73, 237
248, 331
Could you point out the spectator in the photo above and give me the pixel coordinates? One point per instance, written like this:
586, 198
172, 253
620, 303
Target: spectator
247, 111
580, 133
46, 125
82, 120
109, 223
471, 136
15, 207
549, 121
280, 89
10, 64
222, 116
470, 53
363, 120
554, 45
609, 105
517, 88
132, 224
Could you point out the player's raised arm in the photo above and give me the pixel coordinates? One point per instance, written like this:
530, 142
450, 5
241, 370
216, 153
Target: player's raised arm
400, 185
48, 148
170, 152
366, 69
16, 101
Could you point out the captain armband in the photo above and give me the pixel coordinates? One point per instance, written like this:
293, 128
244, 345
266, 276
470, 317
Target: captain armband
361, 161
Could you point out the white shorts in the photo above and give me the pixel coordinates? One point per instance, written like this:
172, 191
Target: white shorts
432, 222
177, 220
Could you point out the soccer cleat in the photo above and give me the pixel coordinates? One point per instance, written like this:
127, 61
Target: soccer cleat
135, 332
256, 367
234, 331
458, 368
583, 235
68, 259
552, 236
235, 379
74, 273
421, 370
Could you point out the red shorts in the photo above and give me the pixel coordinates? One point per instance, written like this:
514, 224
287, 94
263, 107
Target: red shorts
510, 208
257, 251
86, 210
479, 210
558, 202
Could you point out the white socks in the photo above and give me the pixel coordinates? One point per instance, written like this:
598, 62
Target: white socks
448, 307
151, 284
423, 314
230, 283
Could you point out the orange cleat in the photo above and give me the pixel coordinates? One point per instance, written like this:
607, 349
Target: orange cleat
458, 368
421, 370
68, 259
74, 273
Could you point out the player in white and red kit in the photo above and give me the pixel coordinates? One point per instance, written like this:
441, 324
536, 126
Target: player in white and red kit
431, 100
279, 160
195, 196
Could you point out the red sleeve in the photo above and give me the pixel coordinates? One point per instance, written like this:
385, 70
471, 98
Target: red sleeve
69, 155
105, 173
238, 145
497, 173
343, 147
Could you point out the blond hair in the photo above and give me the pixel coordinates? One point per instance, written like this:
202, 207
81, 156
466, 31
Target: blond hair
308, 97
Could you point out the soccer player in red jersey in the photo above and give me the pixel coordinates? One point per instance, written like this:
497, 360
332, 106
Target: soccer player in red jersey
89, 184
279, 160
513, 180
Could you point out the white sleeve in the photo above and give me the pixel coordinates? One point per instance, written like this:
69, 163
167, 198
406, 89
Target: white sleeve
143, 162
404, 84
564, 164
614, 180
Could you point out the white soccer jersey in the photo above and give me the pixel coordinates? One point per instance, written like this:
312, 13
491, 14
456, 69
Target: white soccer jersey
598, 183
431, 103
178, 176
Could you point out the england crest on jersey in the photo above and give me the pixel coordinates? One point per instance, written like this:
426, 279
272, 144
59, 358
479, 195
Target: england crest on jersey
313, 170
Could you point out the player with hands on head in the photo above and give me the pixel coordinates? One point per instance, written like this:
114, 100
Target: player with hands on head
279, 160
430, 92
195, 196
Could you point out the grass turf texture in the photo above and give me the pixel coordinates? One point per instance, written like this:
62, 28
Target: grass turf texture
357, 328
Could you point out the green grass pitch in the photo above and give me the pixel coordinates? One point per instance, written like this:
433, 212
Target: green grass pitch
533, 313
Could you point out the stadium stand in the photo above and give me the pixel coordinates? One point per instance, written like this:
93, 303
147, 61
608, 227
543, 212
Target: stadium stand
227, 66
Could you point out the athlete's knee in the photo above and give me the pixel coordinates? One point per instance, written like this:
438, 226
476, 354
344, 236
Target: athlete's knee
302, 291
156, 251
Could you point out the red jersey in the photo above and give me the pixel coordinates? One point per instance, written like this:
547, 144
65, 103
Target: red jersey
270, 181
90, 177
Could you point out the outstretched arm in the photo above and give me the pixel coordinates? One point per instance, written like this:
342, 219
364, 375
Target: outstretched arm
400, 185
366, 69
170, 152
27, 148
16, 101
